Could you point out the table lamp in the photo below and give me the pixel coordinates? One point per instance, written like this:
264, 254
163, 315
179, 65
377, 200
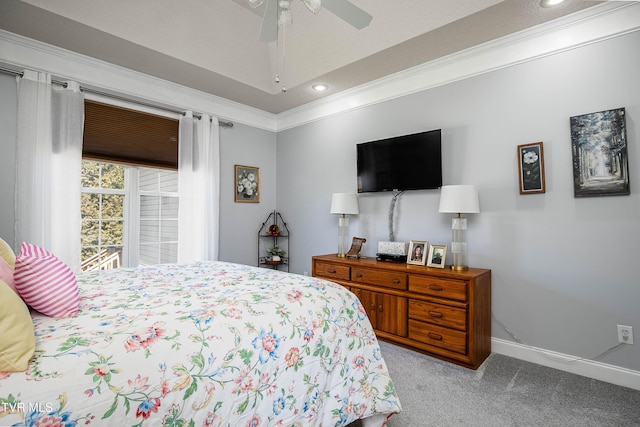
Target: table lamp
344, 204
459, 199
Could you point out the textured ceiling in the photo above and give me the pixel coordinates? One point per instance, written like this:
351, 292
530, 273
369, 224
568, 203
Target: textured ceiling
213, 46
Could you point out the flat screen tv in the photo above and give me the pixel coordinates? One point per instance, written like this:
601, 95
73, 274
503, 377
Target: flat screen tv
408, 162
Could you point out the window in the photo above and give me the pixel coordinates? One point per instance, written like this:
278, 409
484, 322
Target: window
102, 212
129, 188
158, 216
129, 216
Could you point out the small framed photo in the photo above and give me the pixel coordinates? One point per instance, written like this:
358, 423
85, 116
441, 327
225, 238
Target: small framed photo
531, 168
247, 184
437, 256
417, 252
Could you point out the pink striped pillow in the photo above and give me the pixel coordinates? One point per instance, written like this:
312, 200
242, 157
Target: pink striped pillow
45, 283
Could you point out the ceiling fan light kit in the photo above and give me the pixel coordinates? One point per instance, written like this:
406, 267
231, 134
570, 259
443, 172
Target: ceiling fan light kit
278, 15
275, 10
285, 16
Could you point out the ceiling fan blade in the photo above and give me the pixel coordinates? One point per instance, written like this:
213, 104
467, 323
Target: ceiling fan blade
269, 28
348, 12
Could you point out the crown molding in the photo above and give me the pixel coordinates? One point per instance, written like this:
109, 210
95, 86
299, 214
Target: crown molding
591, 25
588, 26
18, 53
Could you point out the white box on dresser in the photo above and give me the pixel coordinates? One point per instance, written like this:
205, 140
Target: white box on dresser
393, 248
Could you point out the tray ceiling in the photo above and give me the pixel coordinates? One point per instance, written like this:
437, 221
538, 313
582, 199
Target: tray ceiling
213, 46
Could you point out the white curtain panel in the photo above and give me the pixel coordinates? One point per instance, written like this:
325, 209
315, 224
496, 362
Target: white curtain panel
66, 172
48, 164
199, 188
33, 159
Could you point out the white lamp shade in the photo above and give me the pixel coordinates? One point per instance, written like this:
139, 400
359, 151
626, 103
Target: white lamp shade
344, 203
459, 199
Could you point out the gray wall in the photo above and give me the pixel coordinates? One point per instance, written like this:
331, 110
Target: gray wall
565, 270
240, 222
8, 111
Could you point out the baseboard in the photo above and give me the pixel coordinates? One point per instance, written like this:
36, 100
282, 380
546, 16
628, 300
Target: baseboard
564, 362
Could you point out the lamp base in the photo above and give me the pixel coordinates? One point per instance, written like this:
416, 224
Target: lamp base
341, 255
343, 236
460, 267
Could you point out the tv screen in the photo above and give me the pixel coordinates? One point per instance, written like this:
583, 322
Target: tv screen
408, 162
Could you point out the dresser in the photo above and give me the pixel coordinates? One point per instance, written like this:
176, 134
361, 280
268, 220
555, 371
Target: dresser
439, 312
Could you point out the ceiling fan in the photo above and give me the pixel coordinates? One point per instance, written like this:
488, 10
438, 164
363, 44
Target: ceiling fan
278, 12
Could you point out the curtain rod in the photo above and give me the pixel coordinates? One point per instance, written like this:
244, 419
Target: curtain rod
119, 98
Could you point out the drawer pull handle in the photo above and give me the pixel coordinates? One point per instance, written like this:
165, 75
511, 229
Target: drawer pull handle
331, 271
435, 336
396, 281
434, 287
435, 314
359, 275
380, 308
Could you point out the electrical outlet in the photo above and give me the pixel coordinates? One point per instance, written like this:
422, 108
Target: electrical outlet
625, 334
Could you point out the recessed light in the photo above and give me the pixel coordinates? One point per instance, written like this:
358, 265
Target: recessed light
320, 87
550, 3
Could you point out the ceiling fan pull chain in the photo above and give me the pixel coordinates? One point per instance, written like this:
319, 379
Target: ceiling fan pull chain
277, 78
284, 56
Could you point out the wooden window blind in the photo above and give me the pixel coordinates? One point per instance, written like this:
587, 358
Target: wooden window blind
121, 135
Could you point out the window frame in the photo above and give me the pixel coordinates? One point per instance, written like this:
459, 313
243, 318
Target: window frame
131, 215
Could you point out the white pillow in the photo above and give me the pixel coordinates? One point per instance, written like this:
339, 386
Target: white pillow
45, 283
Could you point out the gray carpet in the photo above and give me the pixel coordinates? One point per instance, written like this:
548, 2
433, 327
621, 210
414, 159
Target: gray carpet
502, 392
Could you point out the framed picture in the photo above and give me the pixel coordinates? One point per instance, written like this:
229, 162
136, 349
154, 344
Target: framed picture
531, 168
247, 184
437, 256
417, 252
599, 148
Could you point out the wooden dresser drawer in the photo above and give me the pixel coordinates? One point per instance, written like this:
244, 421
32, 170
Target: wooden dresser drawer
439, 314
333, 271
441, 288
388, 279
438, 336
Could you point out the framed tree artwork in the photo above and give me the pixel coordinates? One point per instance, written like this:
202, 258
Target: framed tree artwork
599, 148
531, 168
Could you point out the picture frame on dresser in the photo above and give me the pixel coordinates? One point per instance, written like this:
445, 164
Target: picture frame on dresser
417, 252
437, 256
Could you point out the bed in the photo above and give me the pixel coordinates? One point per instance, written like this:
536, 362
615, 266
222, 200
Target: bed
203, 344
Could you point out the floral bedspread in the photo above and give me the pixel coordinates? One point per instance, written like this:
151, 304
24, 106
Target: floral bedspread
204, 344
